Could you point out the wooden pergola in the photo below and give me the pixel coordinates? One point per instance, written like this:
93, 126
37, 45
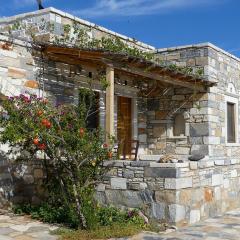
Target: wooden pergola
122, 64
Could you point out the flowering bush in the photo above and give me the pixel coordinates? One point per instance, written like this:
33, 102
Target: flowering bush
73, 154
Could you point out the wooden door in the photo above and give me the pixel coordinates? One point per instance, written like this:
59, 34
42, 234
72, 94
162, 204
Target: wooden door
124, 123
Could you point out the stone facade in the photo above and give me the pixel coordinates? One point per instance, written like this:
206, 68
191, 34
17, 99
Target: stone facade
180, 194
209, 128
180, 122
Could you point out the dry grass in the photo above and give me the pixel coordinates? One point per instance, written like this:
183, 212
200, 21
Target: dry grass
114, 231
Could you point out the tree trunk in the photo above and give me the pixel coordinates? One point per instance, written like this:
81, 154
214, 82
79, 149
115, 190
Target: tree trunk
79, 207
82, 218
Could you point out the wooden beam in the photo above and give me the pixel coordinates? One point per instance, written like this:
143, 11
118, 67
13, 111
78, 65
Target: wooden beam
110, 102
158, 77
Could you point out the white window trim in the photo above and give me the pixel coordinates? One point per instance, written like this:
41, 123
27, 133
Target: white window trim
234, 100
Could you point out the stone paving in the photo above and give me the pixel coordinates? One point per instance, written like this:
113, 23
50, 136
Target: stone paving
226, 227
24, 228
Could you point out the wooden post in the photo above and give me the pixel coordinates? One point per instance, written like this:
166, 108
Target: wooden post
110, 101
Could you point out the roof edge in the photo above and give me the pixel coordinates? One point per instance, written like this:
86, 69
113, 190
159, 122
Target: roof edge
199, 45
72, 17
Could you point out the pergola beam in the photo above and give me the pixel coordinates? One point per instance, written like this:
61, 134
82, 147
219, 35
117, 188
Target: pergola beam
163, 78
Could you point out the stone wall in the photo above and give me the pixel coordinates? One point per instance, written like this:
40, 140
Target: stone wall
157, 121
20, 182
180, 194
223, 68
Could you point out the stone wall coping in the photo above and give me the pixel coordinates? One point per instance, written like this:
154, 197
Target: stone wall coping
6, 20
16, 41
169, 165
200, 45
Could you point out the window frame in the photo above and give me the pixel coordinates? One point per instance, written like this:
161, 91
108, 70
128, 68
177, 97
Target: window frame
232, 100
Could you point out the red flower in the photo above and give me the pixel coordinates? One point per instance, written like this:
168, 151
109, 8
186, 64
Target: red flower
105, 145
44, 122
36, 141
42, 146
110, 154
81, 131
48, 124
45, 101
40, 112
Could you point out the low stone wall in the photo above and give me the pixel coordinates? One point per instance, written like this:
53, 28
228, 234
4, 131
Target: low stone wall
20, 183
176, 193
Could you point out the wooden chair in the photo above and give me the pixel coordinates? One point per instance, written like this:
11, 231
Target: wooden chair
134, 145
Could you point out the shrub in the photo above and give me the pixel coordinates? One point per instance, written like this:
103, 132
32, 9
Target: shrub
73, 153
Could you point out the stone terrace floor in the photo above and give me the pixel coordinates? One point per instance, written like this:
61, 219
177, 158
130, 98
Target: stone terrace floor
226, 227
23, 228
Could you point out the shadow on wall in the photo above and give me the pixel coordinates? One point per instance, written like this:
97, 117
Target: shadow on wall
19, 182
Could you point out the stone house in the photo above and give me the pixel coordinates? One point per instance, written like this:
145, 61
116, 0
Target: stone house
169, 112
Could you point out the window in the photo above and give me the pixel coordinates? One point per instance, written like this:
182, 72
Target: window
231, 124
231, 116
179, 125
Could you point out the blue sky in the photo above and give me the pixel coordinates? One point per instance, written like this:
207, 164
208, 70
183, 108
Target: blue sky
161, 23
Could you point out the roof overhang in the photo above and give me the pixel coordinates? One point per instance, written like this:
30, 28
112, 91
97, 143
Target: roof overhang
137, 67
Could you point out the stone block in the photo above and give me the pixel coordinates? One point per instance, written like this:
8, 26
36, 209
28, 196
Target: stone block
16, 72
158, 210
169, 165
182, 150
219, 162
142, 138
166, 196
196, 140
6, 53
195, 216
161, 172
128, 173
176, 213
193, 165
143, 185
160, 115
211, 140
201, 61
159, 131
233, 173
118, 183
178, 183
217, 179
101, 187
139, 164
208, 194
199, 149
127, 198
217, 193
38, 173
185, 196
226, 183
31, 84
161, 145
199, 129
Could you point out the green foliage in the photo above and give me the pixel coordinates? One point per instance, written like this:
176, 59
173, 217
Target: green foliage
81, 37
74, 154
49, 213
96, 216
